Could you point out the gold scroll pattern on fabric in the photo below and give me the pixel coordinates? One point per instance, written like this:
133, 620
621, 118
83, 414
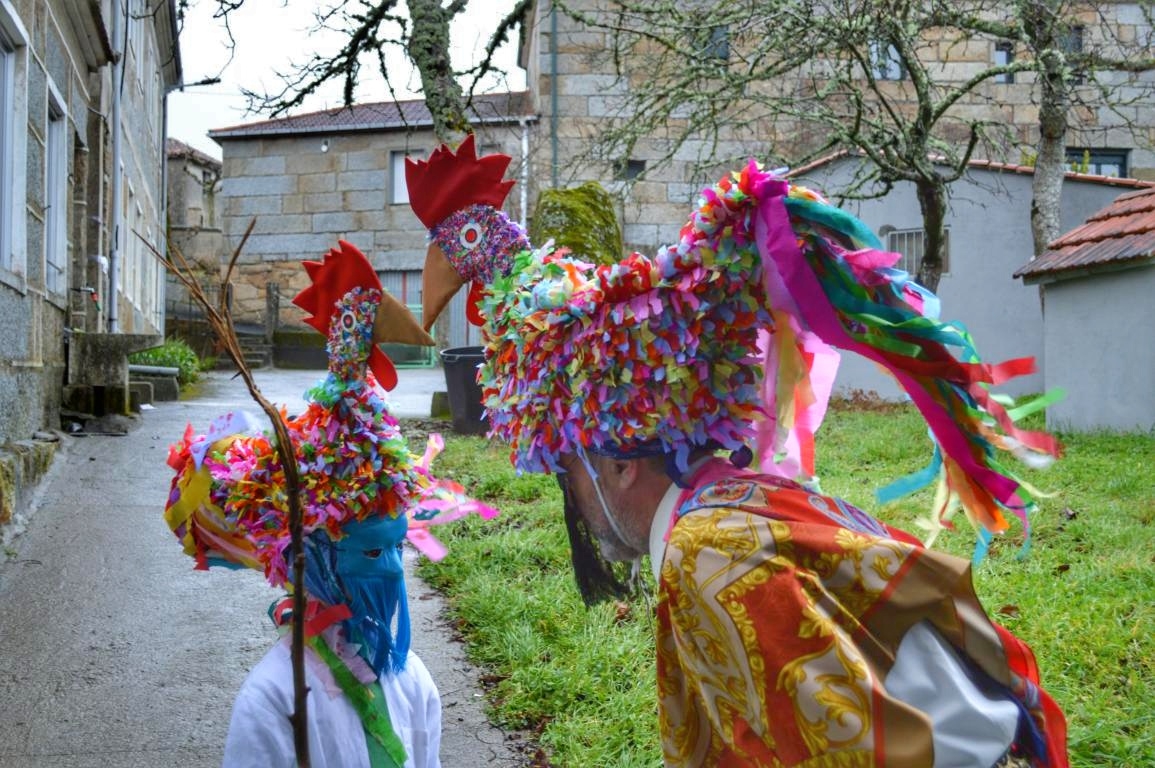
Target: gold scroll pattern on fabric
736, 590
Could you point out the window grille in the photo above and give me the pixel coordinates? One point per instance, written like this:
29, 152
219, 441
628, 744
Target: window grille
911, 244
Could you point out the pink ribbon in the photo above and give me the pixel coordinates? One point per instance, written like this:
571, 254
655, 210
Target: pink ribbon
778, 246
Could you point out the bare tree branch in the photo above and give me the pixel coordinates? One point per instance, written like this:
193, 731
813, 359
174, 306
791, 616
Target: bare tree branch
802, 78
221, 323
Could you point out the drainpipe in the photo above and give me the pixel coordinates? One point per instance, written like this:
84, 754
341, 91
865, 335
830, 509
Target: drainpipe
118, 37
162, 273
553, 90
524, 171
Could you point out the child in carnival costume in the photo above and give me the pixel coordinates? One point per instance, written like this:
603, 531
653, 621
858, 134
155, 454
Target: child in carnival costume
371, 701
793, 628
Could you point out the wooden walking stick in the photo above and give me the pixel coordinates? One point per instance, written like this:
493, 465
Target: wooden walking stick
219, 318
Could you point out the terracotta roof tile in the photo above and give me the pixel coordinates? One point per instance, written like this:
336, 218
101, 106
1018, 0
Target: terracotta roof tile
377, 116
1122, 232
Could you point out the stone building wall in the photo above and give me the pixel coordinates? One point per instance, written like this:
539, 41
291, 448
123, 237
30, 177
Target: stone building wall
146, 67
304, 192
55, 171
40, 237
194, 215
589, 93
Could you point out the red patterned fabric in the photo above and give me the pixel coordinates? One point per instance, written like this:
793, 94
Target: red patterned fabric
780, 615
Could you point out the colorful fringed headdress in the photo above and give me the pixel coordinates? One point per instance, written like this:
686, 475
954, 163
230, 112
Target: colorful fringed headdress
667, 354
228, 503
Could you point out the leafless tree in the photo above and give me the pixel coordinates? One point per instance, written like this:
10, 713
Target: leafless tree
369, 31
896, 82
1086, 61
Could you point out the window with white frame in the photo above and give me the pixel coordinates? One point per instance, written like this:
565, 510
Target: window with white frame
136, 255
911, 244
7, 144
155, 280
127, 244
56, 197
398, 190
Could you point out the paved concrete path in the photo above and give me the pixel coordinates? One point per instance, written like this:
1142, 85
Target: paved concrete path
115, 653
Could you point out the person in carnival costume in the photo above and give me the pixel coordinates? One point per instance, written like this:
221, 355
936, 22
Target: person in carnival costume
793, 629
371, 701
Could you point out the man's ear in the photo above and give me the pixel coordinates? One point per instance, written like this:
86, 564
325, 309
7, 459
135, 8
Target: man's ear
626, 473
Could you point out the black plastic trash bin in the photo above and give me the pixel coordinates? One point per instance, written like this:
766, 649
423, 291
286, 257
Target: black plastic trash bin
465, 406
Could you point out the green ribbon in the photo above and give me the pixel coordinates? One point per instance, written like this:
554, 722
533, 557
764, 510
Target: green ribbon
385, 747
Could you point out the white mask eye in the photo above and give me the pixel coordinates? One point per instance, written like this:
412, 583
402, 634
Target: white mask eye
348, 320
470, 235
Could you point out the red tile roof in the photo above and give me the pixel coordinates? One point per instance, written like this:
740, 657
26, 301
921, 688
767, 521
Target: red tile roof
379, 116
1120, 234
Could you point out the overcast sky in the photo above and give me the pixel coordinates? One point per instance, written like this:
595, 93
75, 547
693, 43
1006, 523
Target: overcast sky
270, 36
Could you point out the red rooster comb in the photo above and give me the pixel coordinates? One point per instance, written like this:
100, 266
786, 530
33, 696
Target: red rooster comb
447, 182
343, 269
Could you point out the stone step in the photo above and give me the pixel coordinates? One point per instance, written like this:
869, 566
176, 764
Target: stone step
163, 388
253, 360
257, 353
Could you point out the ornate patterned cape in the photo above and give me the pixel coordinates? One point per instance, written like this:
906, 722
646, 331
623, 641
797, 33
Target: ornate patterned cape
780, 616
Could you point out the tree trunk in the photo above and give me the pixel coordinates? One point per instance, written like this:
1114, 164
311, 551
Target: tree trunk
429, 50
932, 200
1051, 163
1041, 21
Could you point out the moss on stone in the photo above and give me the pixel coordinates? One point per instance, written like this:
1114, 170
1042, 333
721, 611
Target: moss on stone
582, 219
23, 464
299, 337
299, 349
8, 482
37, 455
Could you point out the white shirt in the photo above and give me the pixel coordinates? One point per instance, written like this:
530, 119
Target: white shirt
260, 735
659, 526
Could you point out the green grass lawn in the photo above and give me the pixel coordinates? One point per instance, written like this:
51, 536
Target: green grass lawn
1083, 596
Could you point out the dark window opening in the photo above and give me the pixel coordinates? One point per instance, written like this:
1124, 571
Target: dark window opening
1004, 56
718, 43
629, 170
1071, 44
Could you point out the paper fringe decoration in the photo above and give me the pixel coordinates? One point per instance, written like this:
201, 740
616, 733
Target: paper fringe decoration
228, 503
669, 351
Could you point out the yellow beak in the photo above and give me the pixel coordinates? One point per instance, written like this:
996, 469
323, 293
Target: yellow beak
396, 324
439, 284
